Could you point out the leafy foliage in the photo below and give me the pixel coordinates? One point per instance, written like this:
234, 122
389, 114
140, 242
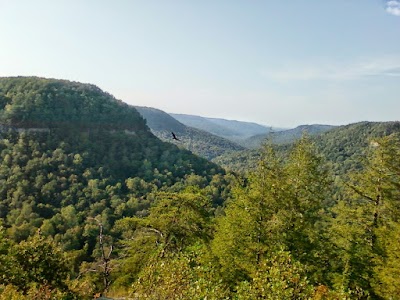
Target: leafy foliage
34, 266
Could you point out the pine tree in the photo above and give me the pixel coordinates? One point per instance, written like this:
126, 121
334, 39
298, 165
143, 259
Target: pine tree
364, 231
279, 208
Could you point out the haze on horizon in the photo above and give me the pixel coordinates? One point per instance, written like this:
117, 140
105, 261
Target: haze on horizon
276, 63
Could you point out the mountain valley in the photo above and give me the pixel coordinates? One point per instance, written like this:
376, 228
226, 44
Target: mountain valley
97, 197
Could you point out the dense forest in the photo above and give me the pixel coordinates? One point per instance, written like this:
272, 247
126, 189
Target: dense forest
92, 202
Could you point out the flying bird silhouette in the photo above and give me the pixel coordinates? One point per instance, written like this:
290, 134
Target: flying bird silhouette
174, 136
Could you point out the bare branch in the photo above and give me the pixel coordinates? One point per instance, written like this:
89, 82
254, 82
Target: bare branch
359, 192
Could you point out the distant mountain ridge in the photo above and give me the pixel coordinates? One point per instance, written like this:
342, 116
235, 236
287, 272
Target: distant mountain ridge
229, 129
248, 134
287, 136
198, 141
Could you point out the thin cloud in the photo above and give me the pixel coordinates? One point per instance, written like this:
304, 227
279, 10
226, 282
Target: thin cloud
393, 7
393, 72
335, 71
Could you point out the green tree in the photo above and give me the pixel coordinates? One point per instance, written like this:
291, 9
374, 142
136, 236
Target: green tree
279, 277
309, 189
176, 221
180, 276
280, 207
38, 260
365, 226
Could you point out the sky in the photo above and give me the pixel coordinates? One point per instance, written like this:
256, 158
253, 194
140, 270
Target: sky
274, 62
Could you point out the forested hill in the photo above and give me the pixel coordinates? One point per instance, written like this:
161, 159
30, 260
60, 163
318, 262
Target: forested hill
198, 141
345, 146
71, 144
342, 146
28, 102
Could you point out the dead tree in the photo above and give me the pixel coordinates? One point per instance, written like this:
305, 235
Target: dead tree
105, 265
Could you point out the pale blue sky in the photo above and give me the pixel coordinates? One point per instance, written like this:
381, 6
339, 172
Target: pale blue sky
280, 63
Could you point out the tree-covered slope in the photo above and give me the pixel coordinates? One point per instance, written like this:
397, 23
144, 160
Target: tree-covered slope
158, 120
283, 235
198, 141
67, 144
88, 210
73, 161
28, 102
342, 146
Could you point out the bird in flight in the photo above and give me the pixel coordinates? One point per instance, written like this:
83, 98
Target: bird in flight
174, 136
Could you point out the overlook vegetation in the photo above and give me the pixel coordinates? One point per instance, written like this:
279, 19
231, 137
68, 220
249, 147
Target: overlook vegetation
92, 207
